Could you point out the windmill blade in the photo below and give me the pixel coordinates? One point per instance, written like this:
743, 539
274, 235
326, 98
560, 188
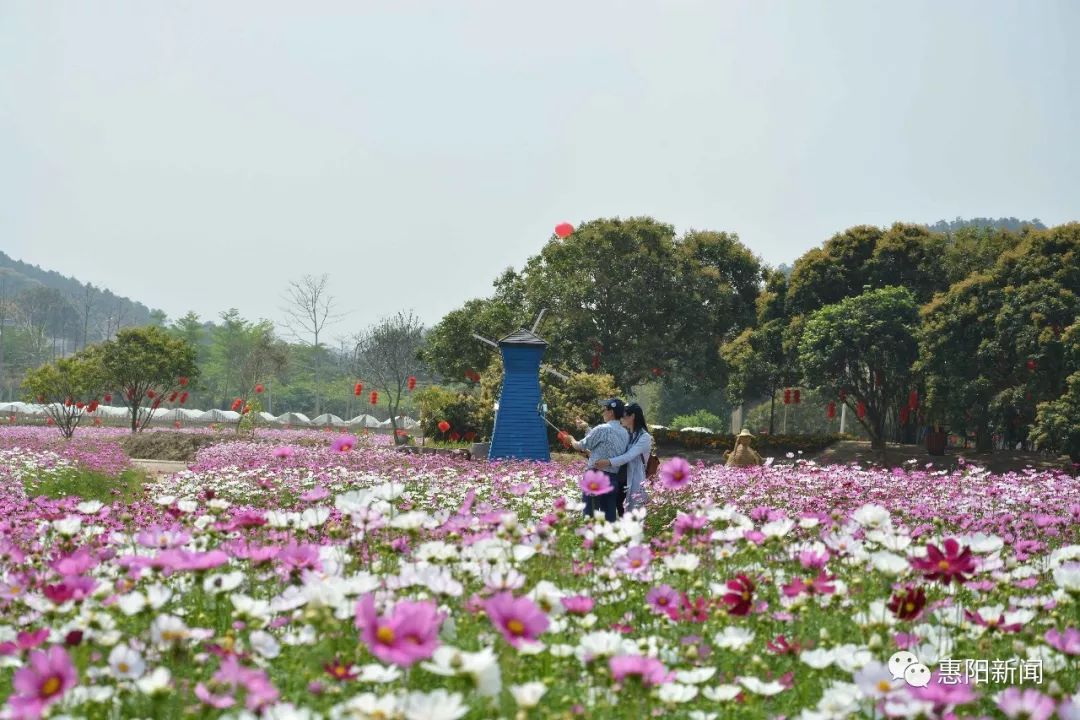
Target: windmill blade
553, 371
539, 317
485, 340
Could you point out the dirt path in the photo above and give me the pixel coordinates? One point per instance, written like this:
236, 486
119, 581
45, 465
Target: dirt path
157, 468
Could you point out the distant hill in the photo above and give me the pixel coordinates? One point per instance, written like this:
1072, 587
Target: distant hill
63, 307
1009, 223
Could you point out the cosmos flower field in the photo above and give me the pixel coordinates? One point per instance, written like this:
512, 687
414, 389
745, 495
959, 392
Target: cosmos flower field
340, 579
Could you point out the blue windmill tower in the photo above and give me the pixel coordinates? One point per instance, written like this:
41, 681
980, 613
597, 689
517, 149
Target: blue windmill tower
519, 416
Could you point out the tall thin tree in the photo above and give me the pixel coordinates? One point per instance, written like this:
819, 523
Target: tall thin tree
309, 309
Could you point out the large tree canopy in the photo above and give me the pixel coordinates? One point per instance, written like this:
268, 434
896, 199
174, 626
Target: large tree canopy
624, 297
863, 347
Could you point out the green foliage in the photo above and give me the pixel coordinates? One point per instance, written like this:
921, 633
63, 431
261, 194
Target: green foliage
145, 360
127, 487
1057, 422
63, 385
864, 346
701, 418
437, 403
669, 441
387, 354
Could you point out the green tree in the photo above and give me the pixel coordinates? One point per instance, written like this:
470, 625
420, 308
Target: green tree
146, 365
67, 387
864, 346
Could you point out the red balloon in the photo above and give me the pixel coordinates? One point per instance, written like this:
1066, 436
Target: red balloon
564, 229
443, 426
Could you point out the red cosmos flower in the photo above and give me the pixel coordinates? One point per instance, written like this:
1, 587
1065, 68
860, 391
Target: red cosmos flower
358, 388
741, 596
340, 671
443, 426
237, 404
908, 605
176, 424
689, 610
953, 564
781, 646
259, 388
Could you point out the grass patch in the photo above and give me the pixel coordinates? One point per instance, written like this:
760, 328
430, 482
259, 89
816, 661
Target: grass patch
126, 487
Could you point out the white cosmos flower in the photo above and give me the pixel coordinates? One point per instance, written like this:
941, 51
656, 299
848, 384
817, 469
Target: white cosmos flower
219, 583
367, 706
125, 663
90, 507
436, 705
528, 695
168, 629
157, 595
721, 693
677, 693
187, 506
548, 597
889, 563
412, 520
376, 673
682, 562
131, 603
872, 516
156, 682
68, 526
850, 658
777, 528
733, 638
982, 543
1067, 577
436, 551
695, 676
264, 643
819, 658
760, 687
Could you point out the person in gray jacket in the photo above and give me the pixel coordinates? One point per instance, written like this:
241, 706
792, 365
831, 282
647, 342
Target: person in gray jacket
636, 457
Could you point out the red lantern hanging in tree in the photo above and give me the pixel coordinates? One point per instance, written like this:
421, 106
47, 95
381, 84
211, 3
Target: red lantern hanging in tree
183, 381
411, 383
657, 372
183, 397
108, 398
1032, 365
913, 400
831, 410
237, 404
358, 388
150, 394
455, 436
787, 396
795, 396
80, 405
860, 410
92, 407
374, 397
173, 395
564, 230
904, 415
443, 426
259, 388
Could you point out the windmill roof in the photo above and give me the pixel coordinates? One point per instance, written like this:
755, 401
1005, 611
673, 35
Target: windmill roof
522, 337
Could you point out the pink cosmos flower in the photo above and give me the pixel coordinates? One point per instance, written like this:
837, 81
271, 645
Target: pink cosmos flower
284, 452
636, 560
343, 444
675, 473
596, 483
44, 680
821, 585
662, 598
220, 702
76, 588
295, 558
650, 670
315, 494
578, 604
24, 641
1029, 704
812, 560
76, 563
162, 538
1067, 642
952, 564
518, 619
990, 622
944, 696
408, 634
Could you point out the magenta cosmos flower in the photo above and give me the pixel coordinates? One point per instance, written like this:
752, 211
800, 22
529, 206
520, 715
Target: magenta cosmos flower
675, 473
284, 452
1029, 704
343, 444
1067, 642
952, 564
650, 670
45, 679
518, 619
408, 634
662, 598
596, 483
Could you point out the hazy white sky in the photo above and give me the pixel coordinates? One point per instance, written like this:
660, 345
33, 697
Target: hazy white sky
198, 155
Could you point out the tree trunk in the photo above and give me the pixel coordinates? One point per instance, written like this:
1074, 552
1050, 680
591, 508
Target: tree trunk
984, 441
134, 410
772, 410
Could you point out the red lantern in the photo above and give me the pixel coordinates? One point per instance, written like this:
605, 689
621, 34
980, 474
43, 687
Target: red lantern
183, 381
374, 397
237, 404
176, 424
860, 409
904, 415
108, 398
150, 394
411, 383
443, 426
259, 388
357, 389
455, 436
80, 405
1032, 365
92, 407
563, 230
470, 436
657, 372
67, 402
50, 421
913, 400
183, 397
831, 410
795, 396
787, 396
